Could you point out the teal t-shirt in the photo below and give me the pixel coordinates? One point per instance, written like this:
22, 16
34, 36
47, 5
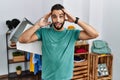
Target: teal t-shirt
57, 53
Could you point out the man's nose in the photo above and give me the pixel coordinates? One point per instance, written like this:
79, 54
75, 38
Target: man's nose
58, 19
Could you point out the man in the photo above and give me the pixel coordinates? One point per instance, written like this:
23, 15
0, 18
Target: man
57, 42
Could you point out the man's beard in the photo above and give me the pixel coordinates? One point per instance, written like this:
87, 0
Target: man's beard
58, 28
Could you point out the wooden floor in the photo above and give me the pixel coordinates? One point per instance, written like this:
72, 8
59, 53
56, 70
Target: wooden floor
23, 78
29, 76
19, 79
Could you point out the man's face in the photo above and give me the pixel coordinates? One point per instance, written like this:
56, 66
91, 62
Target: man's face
58, 19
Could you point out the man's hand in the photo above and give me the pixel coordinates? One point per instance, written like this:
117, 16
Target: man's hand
43, 21
68, 16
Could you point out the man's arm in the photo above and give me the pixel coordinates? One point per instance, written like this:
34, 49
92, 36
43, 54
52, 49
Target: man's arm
88, 31
29, 35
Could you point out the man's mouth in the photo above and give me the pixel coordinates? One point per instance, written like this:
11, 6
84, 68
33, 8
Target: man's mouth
58, 24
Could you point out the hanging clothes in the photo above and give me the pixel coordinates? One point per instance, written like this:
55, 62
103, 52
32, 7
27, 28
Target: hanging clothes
37, 63
28, 56
31, 63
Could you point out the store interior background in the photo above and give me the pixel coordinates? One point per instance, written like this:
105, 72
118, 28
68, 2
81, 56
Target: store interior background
104, 15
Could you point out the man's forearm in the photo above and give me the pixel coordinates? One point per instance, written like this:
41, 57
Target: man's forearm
87, 28
25, 36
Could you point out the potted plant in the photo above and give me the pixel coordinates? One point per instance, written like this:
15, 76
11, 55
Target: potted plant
18, 70
18, 56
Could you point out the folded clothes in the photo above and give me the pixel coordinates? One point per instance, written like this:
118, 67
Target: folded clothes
78, 59
80, 50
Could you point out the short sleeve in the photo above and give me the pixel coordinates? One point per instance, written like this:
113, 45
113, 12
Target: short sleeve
76, 34
39, 34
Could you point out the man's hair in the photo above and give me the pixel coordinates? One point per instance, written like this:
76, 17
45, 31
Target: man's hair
57, 7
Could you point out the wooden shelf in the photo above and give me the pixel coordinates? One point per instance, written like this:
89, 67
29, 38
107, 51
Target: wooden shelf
80, 77
101, 55
81, 68
12, 48
13, 75
105, 78
79, 72
88, 69
81, 45
77, 54
8, 33
96, 59
82, 63
11, 61
25, 73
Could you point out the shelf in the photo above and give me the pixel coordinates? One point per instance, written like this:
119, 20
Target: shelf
82, 63
101, 55
8, 33
95, 60
81, 45
26, 73
80, 72
105, 78
80, 53
11, 61
81, 77
12, 48
81, 68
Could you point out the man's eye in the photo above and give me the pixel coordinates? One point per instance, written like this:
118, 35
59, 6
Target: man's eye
61, 16
53, 16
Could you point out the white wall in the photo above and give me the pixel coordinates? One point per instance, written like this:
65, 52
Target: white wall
96, 17
78, 8
111, 32
104, 15
9, 9
48, 4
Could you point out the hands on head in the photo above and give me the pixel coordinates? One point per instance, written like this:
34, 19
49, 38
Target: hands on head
44, 20
68, 16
